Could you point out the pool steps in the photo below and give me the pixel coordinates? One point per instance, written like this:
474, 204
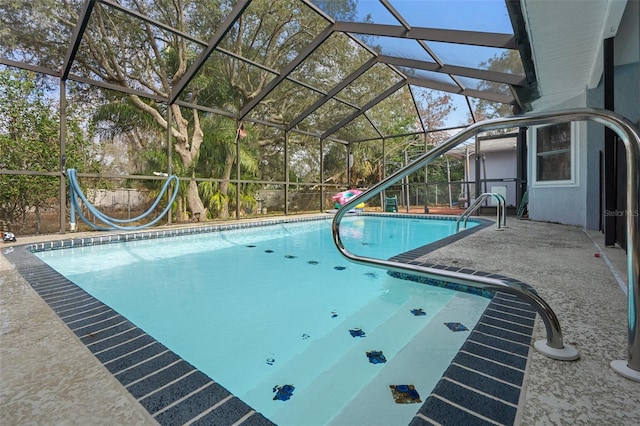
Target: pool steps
347, 359
482, 384
373, 315
373, 403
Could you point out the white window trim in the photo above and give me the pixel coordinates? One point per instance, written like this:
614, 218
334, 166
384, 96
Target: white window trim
576, 130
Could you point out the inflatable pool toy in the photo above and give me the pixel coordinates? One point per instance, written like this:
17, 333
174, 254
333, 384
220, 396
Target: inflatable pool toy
342, 198
8, 237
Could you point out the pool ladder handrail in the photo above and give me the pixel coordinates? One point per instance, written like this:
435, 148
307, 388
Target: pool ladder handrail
553, 347
501, 214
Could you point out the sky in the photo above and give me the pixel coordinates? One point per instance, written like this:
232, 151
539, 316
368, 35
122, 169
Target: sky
468, 15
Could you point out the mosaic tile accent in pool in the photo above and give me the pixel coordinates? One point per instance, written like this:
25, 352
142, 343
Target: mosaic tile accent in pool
283, 393
405, 394
441, 283
376, 357
456, 326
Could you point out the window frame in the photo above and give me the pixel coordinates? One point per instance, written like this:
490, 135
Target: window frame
573, 154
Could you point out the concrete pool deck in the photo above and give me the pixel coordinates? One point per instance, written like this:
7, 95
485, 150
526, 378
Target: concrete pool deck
48, 377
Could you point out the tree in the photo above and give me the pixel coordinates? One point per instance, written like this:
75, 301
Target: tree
506, 62
29, 141
129, 138
434, 109
220, 140
121, 50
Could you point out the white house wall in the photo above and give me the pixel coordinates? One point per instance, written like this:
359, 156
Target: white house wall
499, 165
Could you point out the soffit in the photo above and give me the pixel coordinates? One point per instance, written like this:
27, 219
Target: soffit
566, 41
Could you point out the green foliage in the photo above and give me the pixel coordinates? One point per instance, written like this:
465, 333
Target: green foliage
130, 140
29, 141
121, 50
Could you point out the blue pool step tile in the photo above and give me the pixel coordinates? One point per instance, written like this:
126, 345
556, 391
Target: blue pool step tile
456, 326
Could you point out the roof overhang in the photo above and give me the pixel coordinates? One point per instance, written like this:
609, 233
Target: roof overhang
566, 45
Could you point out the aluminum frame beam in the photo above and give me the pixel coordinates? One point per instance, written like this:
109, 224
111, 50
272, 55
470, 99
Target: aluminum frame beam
288, 69
76, 38
222, 31
473, 38
497, 77
366, 107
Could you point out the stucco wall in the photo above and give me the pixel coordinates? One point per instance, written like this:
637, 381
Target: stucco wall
580, 205
562, 203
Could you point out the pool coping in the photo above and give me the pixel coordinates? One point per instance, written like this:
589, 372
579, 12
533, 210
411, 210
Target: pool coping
481, 386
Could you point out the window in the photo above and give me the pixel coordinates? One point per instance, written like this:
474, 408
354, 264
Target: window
554, 154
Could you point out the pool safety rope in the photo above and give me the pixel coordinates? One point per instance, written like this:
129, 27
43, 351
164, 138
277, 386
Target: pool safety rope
75, 192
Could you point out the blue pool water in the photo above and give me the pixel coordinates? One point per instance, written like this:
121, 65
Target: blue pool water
266, 310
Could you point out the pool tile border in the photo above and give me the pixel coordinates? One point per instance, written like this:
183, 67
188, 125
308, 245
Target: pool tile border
481, 386
113, 238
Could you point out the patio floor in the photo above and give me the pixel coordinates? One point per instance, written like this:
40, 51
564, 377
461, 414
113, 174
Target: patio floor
48, 377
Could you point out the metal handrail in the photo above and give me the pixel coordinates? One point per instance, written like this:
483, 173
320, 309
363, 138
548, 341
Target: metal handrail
630, 137
501, 215
503, 202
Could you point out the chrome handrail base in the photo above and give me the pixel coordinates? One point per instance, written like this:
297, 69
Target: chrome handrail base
566, 353
621, 367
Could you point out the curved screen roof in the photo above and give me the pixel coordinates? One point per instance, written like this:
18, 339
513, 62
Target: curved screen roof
334, 61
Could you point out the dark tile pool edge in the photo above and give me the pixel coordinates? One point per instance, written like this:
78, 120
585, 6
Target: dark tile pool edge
411, 255
114, 237
482, 385
175, 392
122, 237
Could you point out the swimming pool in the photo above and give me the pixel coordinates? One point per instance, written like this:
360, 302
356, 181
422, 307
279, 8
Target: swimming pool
262, 308
140, 363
